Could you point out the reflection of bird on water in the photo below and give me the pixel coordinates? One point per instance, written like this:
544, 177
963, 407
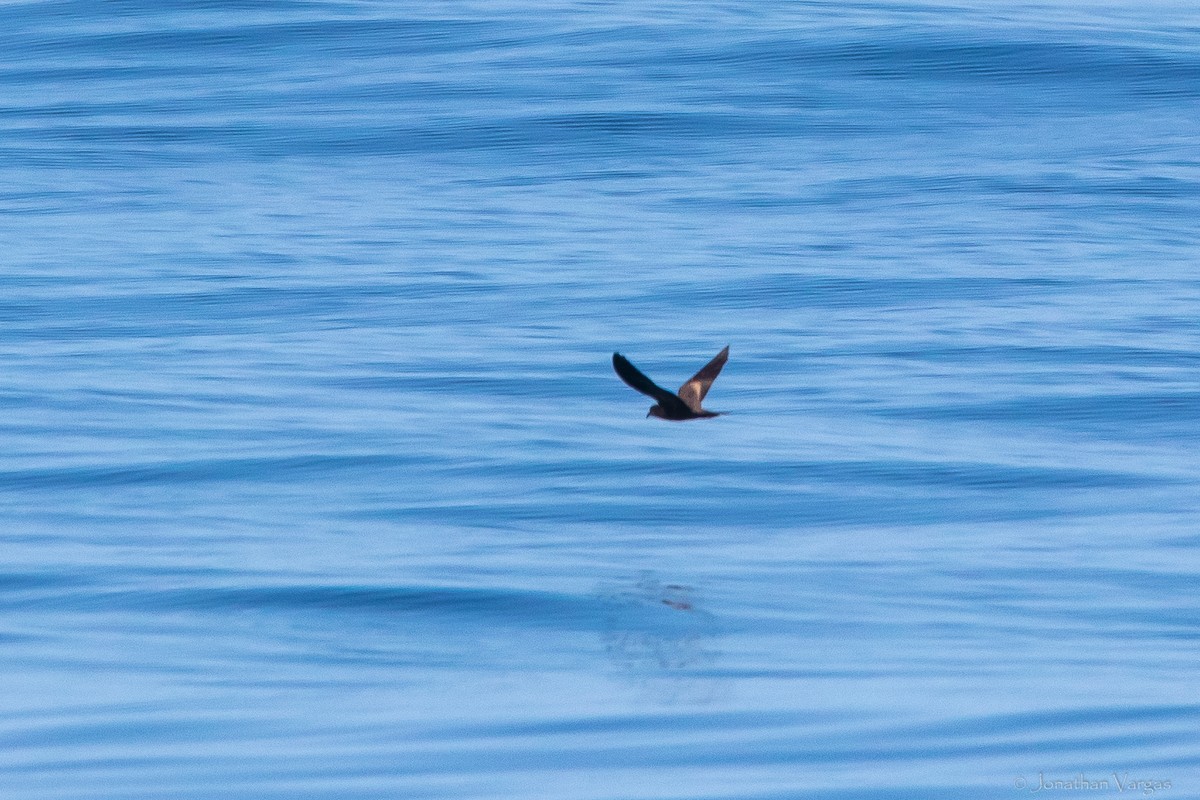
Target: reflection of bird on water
660, 635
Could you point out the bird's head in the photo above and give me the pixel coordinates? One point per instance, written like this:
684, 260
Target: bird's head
655, 411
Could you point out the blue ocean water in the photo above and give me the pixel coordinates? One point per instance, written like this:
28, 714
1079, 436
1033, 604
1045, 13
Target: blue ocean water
318, 483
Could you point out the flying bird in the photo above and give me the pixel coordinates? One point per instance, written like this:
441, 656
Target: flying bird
686, 404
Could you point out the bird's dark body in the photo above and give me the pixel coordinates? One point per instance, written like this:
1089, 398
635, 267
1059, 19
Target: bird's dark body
676, 407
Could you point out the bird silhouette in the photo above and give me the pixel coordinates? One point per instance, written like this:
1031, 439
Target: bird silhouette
676, 407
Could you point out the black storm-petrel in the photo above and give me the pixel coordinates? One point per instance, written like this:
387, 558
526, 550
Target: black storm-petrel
686, 404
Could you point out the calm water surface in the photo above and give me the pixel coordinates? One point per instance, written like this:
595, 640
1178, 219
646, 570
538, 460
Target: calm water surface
317, 482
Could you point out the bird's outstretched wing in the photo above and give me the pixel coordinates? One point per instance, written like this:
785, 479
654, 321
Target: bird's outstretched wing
697, 386
636, 380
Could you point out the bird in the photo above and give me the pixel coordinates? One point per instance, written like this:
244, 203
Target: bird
675, 407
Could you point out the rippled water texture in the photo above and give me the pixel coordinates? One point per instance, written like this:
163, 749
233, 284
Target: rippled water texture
318, 483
